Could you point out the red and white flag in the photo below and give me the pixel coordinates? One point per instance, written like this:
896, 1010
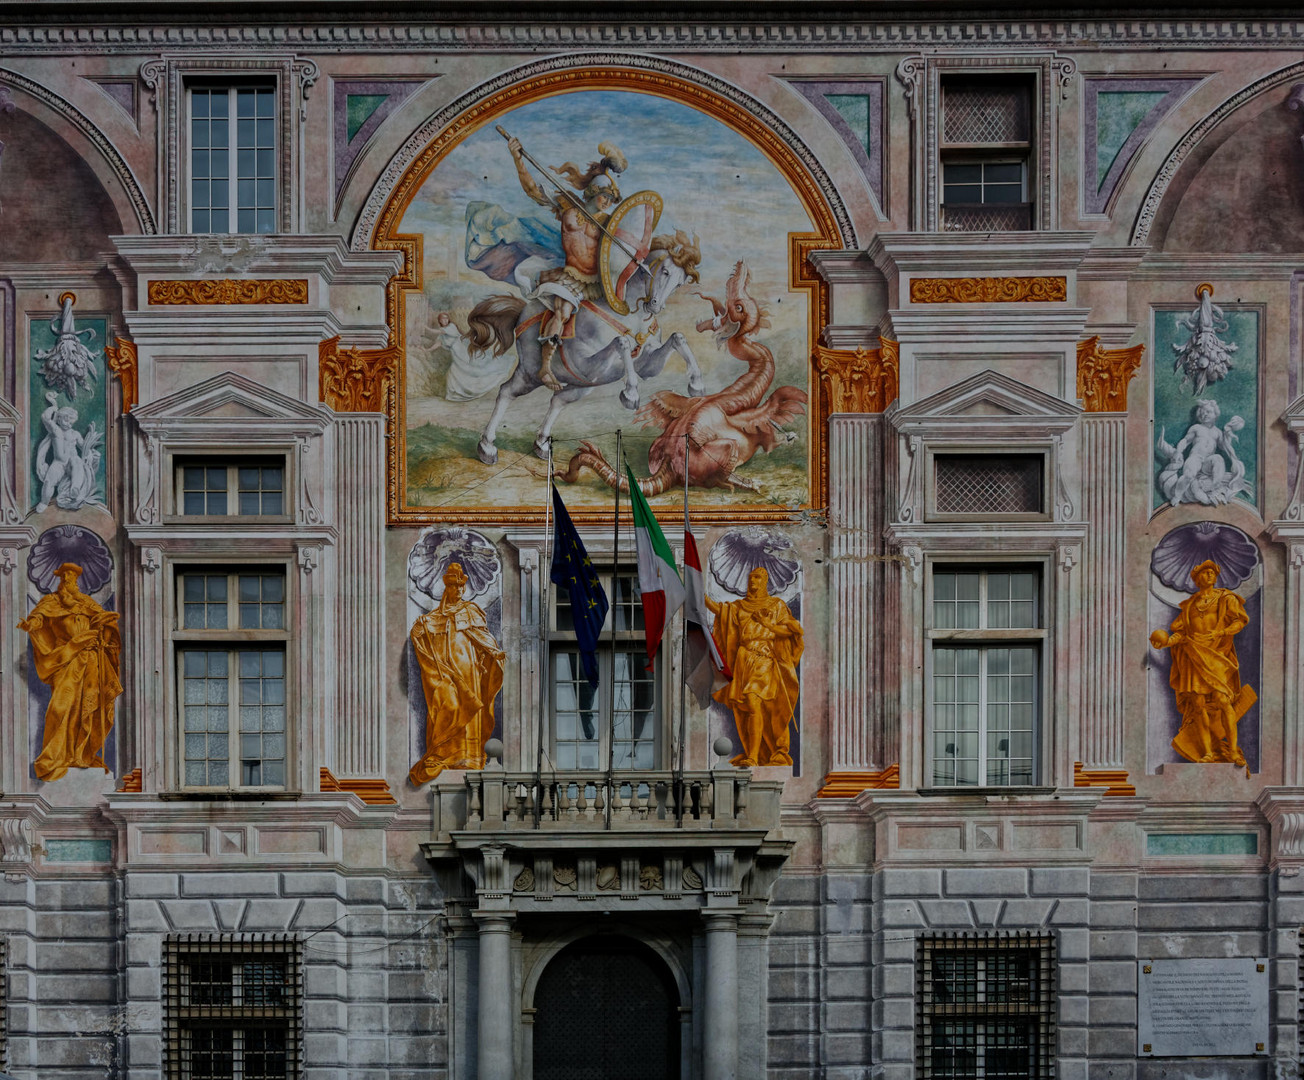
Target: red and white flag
704, 667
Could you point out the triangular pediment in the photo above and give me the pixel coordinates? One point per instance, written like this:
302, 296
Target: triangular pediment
9, 416
230, 397
986, 404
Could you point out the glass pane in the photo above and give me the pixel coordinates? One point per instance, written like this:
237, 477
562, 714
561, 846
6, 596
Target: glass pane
1003, 172
962, 173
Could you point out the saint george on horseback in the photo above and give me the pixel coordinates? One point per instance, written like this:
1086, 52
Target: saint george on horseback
588, 316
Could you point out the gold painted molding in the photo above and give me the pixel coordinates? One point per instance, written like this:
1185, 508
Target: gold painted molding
372, 792
229, 291
133, 781
989, 290
122, 361
1114, 781
1104, 374
846, 785
355, 380
864, 381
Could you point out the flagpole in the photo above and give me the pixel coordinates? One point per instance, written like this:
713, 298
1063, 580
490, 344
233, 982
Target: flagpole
615, 617
683, 667
545, 585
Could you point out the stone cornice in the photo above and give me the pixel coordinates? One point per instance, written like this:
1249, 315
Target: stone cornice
535, 30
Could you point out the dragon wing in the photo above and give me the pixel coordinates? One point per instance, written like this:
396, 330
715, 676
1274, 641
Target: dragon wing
664, 407
784, 405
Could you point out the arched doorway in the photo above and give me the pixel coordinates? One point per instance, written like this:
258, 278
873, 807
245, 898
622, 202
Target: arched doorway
606, 1007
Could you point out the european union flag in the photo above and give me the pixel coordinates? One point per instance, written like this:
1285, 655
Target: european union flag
573, 570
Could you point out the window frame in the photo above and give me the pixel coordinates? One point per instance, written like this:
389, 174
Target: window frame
935, 449
183, 1017
271, 456
234, 207
231, 640
1022, 151
632, 640
1039, 1011
985, 638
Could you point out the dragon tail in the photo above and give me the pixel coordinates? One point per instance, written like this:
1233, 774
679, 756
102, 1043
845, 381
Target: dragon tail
589, 456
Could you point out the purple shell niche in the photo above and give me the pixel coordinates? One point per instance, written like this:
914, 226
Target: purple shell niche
70, 544
437, 548
1186, 547
736, 554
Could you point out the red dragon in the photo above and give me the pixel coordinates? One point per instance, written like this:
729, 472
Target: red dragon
725, 429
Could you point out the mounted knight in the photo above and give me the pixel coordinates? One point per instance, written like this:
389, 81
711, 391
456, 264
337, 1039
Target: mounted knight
591, 287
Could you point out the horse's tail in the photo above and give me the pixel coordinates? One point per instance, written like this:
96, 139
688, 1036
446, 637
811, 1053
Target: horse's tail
493, 322
591, 457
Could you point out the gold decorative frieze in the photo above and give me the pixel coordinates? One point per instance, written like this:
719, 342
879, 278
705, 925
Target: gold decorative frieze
229, 291
1104, 374
863, 381
355, 380
989, 290
122, 362
1114, 781
846, 785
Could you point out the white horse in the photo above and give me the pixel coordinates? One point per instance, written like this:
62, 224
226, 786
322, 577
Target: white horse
603, 348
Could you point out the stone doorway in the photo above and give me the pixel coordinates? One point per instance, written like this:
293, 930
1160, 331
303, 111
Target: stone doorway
606, 1007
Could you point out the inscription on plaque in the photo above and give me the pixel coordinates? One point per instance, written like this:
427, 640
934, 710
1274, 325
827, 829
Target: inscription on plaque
1202, 1008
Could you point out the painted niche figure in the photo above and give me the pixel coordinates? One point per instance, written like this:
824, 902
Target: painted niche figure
1206, 676
66, 459
461, 673
762, 644
77, 648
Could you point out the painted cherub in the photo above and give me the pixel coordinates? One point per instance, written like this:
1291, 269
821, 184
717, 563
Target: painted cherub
1203, 467
66, 459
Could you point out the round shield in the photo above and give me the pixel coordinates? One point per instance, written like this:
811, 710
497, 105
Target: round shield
625, 244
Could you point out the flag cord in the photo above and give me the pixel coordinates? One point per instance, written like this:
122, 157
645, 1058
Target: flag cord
680, 786
545, 590
615, 617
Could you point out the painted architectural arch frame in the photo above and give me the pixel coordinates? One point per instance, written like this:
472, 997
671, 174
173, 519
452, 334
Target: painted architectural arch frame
726, 177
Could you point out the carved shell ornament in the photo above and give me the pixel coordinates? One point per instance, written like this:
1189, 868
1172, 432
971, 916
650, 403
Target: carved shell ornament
437, 548
1183, 549
70, 544
735, 555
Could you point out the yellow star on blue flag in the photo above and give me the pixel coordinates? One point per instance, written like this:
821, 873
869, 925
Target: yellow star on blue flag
572, 568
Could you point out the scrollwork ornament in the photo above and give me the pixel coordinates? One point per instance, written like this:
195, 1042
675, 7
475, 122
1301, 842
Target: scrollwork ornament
308, 512
906, 511
16, 839
910, 74
1065, 70
163, 292
307, 72
123, 362
1063, 503
1290, 840
151, 74
309, 557
989, 290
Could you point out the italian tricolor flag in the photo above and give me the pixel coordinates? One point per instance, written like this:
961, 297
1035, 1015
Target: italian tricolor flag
658, 580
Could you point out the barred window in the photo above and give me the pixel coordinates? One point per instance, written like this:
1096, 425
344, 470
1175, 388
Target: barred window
4, 1012
986, 1006
233, 1007
986, 141
989, 484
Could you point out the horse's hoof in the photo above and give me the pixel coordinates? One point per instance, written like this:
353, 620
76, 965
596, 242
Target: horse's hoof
696, 388
487, 452
629, 398
543, 449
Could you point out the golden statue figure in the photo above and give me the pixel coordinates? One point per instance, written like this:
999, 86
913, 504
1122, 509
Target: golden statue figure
1206, 676
762, 644
77, 648
461, 672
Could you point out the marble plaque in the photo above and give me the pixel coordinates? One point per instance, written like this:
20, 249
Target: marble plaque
1202, 1008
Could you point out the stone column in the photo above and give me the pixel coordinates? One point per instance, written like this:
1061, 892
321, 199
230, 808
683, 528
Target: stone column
858, 386
1103, 378
720, 1042
494, 997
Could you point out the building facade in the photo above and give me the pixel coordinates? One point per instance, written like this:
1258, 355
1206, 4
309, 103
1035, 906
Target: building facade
981, 338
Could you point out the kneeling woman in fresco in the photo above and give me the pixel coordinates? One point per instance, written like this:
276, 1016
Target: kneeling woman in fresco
461, 673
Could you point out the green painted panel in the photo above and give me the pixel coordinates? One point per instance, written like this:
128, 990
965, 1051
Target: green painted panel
1202, 843
359, 108
854, 109
78, 850
1118, 114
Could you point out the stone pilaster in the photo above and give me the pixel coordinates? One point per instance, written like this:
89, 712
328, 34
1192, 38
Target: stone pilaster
720, 1041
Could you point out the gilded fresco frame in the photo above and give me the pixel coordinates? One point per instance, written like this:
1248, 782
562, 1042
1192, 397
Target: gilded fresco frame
801, 277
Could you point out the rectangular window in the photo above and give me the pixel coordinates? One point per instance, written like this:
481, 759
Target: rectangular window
233, 1007
985, 148
587, 724
232, 159
986, 636
238, 487
986, 1007
231, 642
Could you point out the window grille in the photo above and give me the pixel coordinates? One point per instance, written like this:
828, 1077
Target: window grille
978, 218
989, 484
4, 1012
977, 114
986, 1006
233, 1007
